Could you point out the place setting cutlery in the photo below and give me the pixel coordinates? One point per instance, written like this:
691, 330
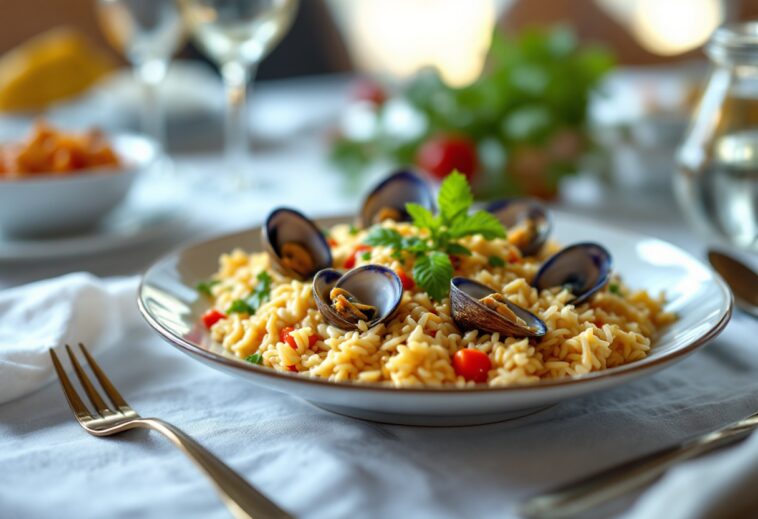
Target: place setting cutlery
578, 497
113, 415
741, 279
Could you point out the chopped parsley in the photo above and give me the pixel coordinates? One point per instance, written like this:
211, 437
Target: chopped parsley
433, 269
366, 256
353, 230
255, 358
496, 261
240, 306
613, 288
257, 297
204, 287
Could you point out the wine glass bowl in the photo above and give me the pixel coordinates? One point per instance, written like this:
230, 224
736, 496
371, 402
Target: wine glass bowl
241, 31
147, 33
237, 35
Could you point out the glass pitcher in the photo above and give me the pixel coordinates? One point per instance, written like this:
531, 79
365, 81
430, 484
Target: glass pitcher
717, 179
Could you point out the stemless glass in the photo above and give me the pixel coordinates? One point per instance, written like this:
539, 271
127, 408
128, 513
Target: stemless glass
717, 178
147, 33
237, 35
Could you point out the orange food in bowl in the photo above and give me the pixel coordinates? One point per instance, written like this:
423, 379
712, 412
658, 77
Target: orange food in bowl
51, 151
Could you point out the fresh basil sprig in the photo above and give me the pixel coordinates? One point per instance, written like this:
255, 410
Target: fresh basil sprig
432, 269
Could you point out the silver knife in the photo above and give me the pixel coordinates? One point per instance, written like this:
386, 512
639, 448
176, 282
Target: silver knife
578, 497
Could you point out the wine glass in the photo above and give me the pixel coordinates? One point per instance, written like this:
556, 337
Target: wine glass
147, 33
237, 35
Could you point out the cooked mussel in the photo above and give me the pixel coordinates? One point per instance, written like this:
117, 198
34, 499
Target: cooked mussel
477, 306
296, 246
583, 268
370, 293
387, 200
527, 221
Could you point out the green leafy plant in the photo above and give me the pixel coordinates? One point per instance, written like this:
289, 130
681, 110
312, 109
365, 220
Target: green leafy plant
432, 248
523, 121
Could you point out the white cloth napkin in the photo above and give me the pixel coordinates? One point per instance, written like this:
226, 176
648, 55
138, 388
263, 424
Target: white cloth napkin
711, 487
74, 308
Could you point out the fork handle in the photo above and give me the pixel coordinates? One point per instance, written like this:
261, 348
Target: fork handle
579, 497
242, 499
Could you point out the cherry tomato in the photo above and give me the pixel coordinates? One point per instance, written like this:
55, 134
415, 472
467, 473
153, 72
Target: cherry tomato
369, 90
513, 257
284, 336
472, 364
211, 317
405, 279
350, 261
292, 368
441, 155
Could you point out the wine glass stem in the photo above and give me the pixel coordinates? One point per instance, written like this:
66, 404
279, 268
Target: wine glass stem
150, 73
236, 76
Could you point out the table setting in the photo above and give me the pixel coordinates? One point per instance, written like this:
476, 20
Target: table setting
388, 292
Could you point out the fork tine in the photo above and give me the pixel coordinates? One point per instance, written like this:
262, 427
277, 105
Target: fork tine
105, 382
76, 404
92, 393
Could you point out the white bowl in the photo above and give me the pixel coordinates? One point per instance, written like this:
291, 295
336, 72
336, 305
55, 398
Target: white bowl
50, 204
700, 298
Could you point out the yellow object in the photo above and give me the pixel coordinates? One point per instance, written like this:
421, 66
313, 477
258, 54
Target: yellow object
53, 66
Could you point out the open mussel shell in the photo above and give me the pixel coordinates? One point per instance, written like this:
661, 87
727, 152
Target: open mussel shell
584, 268
514, 212
373, 285
388, 198
284, 226
470, 313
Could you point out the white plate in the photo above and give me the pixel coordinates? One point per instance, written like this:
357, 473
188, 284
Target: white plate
170, 304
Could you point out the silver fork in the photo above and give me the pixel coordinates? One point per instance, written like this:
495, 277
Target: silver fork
242, 500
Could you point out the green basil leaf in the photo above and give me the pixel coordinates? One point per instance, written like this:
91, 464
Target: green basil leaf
481, 222
204, 287
422, 217
454, 198
433, 272
385, 237
496, 261
239, 306
255, 358
260, 293
457, 249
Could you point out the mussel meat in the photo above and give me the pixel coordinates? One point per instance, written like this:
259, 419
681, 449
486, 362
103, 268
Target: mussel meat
477, 306
583, 268
296, 246
387, 200
371, 293
527, 221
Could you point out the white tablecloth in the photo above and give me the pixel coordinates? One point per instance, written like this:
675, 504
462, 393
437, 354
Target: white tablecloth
320, 465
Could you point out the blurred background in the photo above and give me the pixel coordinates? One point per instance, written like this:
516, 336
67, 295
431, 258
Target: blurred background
565, 101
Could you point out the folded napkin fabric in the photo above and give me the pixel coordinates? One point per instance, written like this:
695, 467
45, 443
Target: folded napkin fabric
74, 308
